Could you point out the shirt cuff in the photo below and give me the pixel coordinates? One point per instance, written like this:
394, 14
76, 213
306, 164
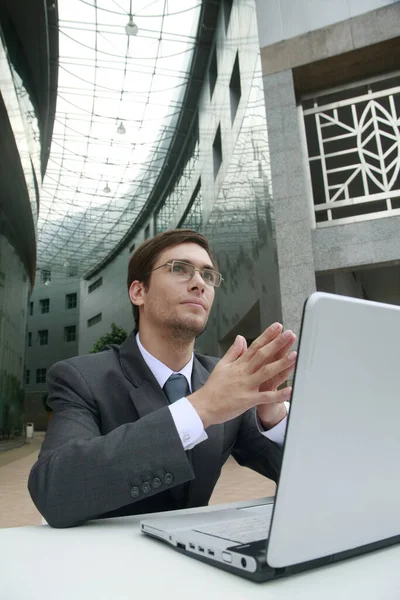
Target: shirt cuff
188, 423
275, 434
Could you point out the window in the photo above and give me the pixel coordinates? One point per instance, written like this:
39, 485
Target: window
235, 89
213, 71
94, 320
27, 376
227, 13
71, 300
46, 275
2, 278
217, 151
44, 305
72, 271
131, 249
43, 337
40, 375
147, 232
96, 284
70, 333
29, 339
30, 308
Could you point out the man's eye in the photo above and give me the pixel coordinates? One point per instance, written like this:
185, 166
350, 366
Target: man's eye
179, 268
208, 276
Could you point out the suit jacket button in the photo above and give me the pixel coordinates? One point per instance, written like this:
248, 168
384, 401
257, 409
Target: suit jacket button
146, 487
135, 492
168, 478
156, 483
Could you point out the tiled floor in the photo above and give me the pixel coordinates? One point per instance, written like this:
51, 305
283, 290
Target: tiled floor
17, 508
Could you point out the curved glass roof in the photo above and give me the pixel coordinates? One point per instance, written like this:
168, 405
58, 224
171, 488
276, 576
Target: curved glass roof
123, 70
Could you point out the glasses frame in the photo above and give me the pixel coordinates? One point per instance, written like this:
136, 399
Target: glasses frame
201, 271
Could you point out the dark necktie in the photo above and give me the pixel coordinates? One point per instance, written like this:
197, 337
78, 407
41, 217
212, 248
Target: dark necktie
176, 387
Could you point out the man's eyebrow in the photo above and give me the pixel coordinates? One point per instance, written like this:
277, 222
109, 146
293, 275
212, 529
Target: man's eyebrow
189, 262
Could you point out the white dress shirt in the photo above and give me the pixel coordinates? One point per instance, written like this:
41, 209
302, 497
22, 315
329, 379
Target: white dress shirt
187, 421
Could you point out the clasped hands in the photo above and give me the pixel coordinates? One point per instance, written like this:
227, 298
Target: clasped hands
249, 377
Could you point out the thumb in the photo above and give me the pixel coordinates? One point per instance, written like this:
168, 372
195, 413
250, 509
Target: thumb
238, 347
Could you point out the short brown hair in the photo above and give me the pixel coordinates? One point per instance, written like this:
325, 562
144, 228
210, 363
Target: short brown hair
144, 258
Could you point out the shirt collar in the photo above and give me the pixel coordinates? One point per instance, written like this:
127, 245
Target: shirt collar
160, 371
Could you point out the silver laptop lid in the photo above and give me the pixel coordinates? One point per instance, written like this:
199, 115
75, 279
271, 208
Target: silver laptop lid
340, 481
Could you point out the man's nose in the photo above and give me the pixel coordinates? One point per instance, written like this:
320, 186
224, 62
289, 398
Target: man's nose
197, 281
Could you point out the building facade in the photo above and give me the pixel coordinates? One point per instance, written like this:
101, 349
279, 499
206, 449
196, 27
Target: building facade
286, 157
332, 103
293, 172
28, 77
52, 335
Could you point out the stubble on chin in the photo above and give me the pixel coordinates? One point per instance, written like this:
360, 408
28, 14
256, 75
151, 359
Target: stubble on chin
186, 331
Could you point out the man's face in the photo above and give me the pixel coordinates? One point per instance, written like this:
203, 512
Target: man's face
173, 303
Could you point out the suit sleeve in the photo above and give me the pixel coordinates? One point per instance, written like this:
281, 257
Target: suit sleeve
255, 451
81, 474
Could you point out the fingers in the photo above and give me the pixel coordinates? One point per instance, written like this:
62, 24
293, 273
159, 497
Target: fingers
269, 352
275, 397
265, 338
277, 380
282, 377
237, 349
285, 348
274, 369
243, 342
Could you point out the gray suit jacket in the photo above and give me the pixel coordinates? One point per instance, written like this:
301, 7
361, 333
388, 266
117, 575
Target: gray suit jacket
112, 448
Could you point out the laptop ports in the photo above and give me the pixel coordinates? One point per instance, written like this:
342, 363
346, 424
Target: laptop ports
201, 549
211, 552
227, 557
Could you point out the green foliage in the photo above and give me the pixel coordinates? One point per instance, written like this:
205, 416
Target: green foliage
117, 335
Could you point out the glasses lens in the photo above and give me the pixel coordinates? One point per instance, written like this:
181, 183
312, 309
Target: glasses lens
186, 271
182, 269
211, 277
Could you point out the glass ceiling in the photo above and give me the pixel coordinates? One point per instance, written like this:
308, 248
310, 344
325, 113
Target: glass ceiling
119, 97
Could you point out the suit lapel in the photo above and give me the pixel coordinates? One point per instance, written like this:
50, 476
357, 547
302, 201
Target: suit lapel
146, 394
206, 456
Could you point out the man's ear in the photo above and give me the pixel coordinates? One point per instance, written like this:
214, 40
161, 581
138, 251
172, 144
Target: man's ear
136, 293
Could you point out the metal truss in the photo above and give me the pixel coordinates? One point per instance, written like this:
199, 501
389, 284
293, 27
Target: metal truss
119, 98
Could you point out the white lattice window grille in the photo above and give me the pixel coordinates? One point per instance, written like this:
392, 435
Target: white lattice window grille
353, 142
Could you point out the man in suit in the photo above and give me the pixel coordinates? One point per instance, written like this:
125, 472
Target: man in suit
147, 426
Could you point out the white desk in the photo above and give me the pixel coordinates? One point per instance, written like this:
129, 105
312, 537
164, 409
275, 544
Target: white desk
112, 560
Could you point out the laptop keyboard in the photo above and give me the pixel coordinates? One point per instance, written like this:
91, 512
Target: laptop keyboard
243, 530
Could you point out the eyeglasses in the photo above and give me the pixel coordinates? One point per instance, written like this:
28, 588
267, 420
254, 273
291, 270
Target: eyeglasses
185, 271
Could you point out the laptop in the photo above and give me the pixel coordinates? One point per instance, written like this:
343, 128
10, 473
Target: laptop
339, 490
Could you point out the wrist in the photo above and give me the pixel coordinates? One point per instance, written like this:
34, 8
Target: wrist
271, 420
196, 400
